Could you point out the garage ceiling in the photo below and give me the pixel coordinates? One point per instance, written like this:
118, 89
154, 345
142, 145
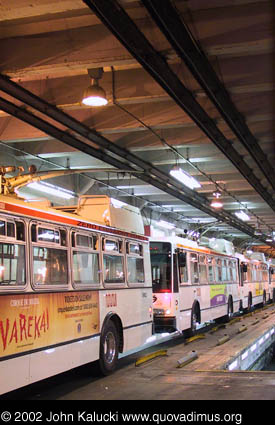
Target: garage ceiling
189, 83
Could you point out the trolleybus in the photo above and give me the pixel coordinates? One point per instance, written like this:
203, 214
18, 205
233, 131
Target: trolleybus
193, 284
256, 283
72, 290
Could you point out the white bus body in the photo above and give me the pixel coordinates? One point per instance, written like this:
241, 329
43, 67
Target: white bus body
255, 280
191, 284
71, 291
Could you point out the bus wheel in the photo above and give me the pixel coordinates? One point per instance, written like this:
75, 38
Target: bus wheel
264, 298
195, 318
229, 315
108, 349
241, 306
273, 296
249, 305
230, 309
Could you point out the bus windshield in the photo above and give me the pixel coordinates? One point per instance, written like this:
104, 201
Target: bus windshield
160, 253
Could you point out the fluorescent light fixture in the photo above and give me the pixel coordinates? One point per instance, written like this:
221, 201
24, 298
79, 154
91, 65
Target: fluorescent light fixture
51, 189
233, 365
166, 225
242, 215
253, 348
268, 240
184, 178
244, 356
201, 219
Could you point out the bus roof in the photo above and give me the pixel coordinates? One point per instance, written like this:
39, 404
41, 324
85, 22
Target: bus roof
190, 245
41, 211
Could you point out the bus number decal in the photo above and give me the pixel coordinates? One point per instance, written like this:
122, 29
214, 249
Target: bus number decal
111, 300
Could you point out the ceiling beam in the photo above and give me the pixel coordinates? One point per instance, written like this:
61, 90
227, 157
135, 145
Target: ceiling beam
150, 174
124, 29
179, 36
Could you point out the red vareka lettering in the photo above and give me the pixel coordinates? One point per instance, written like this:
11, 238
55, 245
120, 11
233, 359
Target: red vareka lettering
36, 326
23, 328
30, 323
14, 334
43, 323
22, 323
4, 332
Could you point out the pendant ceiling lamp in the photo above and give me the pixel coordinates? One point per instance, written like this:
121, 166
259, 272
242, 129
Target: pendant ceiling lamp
216, 203
94, 95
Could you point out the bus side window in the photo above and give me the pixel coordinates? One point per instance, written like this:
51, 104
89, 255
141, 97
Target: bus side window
183, 273
135, 263
10, 229
202, 269
113, 261
33, 233
86, 270
49, 256
218, 270
234, 271
224, 271
210, 263
20, 231
254, 273
2, 228
194, 268
63, 235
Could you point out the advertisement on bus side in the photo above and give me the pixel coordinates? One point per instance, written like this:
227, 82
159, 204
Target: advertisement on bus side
32, 321
217, 295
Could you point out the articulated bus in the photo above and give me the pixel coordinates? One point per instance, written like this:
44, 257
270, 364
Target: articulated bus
193, 285
72, 291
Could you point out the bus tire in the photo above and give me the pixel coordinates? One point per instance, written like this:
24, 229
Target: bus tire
230, 312
264, 298
230, 309
108, 352
249, 303
195, 318
241, 306
273, 295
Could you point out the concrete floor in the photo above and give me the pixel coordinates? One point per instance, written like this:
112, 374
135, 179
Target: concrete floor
160, 379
